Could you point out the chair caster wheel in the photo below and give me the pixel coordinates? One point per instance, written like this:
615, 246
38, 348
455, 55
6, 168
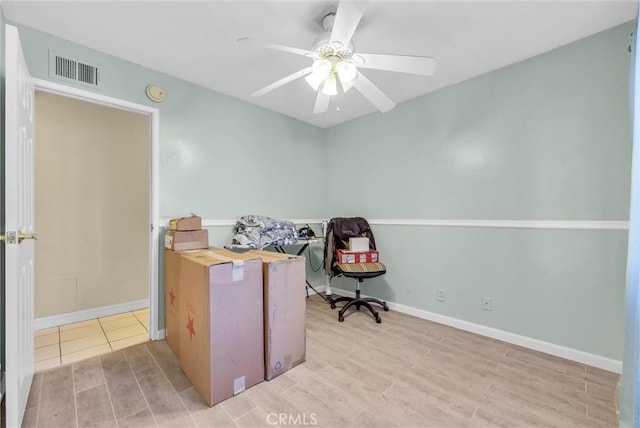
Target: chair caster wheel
333, 305
340, 319
378, 319
385, 307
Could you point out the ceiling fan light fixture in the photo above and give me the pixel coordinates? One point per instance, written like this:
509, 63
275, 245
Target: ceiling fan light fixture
320, 70
330, 86
314, 81
346, 71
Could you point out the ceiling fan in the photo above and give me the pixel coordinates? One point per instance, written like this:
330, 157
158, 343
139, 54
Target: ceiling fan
336, 64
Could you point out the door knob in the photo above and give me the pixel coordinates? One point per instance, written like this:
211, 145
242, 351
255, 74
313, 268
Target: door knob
23, 236
12, 237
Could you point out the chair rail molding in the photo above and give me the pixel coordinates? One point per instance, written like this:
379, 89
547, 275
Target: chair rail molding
508, 224
500, 224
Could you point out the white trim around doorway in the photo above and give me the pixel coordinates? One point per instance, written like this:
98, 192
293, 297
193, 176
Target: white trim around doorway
154, 215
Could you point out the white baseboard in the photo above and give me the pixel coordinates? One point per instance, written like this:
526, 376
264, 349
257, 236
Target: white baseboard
161, 335
319, 289
88, 314
516, 339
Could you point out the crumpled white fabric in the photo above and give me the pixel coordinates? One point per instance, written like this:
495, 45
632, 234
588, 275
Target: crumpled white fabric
260, 231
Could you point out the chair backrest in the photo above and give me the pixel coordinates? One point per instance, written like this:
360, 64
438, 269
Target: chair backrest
339, 230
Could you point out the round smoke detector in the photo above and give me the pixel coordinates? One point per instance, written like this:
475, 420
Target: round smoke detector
155, 93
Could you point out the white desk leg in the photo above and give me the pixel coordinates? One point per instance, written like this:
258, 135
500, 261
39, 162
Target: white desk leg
327, 290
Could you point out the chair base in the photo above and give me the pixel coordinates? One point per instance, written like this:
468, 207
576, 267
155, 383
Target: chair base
357, 302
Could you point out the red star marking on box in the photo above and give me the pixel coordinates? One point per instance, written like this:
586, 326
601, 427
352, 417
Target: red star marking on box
192, 331
172, 297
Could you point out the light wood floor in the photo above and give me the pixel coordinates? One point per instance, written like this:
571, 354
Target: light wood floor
405, 372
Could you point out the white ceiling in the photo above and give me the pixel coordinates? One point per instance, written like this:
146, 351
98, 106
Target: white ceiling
196, 41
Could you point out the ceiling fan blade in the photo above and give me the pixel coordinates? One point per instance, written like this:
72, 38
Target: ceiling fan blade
373, 94
423, 65
322, 103
281, 82
346, 21
273, 46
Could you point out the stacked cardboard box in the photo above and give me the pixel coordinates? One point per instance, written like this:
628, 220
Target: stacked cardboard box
220, 316
346, 257
172, 296
183, 236
359, 244
234, 319
284, 277
186, 233
358, 252
171, 299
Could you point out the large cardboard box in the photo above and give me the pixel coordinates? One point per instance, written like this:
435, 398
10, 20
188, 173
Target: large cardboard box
186, 223
284, 311
181, 241
172, 296
220, 314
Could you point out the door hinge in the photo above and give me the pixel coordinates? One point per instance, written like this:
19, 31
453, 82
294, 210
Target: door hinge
9, 237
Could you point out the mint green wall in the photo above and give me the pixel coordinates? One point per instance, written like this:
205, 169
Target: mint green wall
219, 157
545, 139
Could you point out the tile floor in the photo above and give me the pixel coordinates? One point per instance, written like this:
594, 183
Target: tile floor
69, 343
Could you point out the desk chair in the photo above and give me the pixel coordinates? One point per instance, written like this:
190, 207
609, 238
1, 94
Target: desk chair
339, 230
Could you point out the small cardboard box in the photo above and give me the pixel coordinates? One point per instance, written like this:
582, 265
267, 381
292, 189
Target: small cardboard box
186, 223
221, 317
181, 241
172, 297
358, 244
285, 307
346, 257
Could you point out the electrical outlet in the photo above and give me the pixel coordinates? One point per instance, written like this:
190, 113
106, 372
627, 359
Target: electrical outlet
440, 295
486, 304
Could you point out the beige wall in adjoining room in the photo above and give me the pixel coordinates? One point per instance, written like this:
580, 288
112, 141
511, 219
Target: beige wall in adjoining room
92, 179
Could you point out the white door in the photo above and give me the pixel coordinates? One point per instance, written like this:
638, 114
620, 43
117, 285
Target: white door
18, 204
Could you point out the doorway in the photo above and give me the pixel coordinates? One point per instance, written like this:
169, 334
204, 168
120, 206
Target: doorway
96, 209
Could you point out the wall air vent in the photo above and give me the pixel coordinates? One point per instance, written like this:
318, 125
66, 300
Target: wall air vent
68, 69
